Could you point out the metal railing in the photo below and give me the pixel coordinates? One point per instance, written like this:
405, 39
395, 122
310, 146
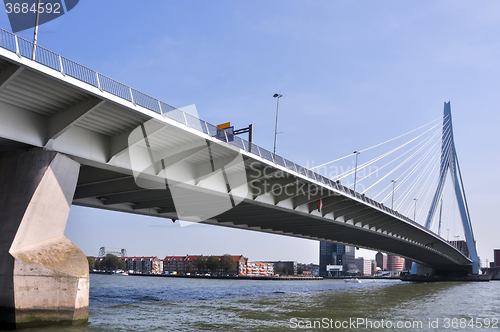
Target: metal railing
24, 48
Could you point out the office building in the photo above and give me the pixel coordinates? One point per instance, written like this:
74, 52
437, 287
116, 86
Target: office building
408, 264
364, 265
395, 263
381, 259
335, 259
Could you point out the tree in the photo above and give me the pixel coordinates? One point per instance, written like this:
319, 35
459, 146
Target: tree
98, 264
300, 270
111, 262
228, 264
213, 263
189, 267
91, 260
200, 263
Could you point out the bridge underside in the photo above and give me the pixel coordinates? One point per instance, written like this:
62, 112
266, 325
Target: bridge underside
43, 108
104, 189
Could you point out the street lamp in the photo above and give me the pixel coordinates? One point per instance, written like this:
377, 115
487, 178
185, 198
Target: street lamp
277, 96
392, 205
35, 34
356, 169
415, 210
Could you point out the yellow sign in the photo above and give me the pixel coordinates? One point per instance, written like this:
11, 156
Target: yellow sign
224, 125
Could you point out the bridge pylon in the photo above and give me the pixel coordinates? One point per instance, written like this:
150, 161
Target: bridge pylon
449, 163
44, 277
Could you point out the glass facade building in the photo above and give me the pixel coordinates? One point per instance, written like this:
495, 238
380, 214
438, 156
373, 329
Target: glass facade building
335, 254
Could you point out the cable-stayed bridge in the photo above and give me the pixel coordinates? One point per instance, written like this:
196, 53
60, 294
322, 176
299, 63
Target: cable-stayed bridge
70, 135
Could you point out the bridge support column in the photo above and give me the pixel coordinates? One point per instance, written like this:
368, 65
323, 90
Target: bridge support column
419, 269
44, 277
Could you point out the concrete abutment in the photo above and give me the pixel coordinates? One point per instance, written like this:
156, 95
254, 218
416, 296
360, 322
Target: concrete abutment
44, 277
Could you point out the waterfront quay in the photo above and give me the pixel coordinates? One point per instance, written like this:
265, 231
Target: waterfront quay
206, 276
237, 277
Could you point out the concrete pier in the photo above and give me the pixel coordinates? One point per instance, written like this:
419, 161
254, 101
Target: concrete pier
494, 272
445, 277
43, 276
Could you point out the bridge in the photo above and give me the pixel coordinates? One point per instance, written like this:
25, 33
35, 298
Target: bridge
72, 136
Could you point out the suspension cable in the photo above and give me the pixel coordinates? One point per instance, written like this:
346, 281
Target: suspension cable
392, 139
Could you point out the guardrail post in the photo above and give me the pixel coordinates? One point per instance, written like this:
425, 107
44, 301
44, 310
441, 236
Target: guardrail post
33, 56
61, 66
185, 119
159, 105
98, 81
17, 46
258, 149
208, 130
132, 96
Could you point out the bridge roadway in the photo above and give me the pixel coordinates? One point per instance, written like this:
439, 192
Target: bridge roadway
57, 105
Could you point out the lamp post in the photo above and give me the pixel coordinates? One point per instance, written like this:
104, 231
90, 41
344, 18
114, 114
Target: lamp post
356, 169
277, 96
392, 204
35, 34
415, 210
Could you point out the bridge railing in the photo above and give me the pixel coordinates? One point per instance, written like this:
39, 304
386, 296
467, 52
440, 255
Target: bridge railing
24, 48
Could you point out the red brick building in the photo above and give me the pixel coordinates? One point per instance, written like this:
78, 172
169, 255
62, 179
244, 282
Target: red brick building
188, 264
173, 264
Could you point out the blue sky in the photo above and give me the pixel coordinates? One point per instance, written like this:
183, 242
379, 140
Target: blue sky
352, 74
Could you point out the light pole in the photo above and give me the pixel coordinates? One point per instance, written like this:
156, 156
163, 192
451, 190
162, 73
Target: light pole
415, 210
392, 204
35, 34
356, 168
277, 96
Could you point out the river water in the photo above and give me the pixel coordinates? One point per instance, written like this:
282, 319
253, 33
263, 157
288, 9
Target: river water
135, 303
